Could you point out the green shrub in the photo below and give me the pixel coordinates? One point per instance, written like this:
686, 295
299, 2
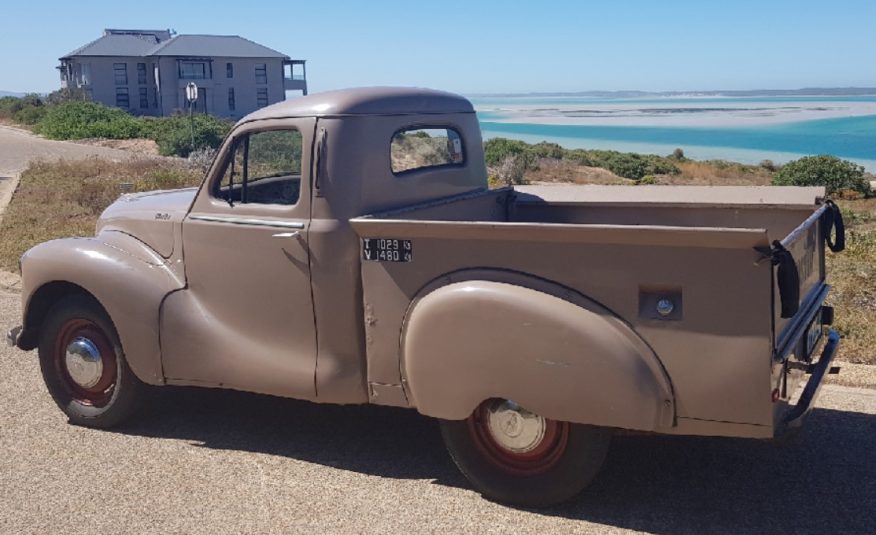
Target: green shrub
547, 150
834, 174
174, 134
10, 107
498, 149
30, 115
78, 120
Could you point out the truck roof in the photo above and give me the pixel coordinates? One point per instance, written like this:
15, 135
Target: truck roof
366, 101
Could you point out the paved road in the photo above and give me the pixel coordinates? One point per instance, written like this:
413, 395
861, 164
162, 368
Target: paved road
208, 461
18, 147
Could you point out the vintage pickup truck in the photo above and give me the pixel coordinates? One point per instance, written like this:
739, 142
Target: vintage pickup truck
345, 247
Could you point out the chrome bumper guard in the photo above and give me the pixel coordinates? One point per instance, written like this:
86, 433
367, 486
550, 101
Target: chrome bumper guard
12, 336
794, 417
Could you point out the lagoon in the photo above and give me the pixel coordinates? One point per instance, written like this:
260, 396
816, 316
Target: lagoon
741, 129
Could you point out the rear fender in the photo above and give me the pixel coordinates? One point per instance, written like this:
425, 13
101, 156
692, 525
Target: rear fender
127, 277
546, 347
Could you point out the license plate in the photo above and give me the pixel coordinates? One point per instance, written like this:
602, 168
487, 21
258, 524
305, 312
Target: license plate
813, 334
387, 250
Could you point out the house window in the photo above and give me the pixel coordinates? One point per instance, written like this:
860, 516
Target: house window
85, 73
144, 98
192, 70
141, 73
229, 70
122, 97
120, 73
230, 98
261, 73
262, 97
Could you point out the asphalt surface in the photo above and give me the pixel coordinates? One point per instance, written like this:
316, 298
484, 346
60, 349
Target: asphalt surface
210, 461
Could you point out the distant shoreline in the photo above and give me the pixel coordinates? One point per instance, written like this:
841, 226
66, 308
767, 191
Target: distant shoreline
803, 92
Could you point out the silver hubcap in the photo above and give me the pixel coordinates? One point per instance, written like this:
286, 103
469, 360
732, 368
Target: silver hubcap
515, 428
83, 362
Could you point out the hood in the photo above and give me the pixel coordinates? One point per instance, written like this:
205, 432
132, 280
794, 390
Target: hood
150, 216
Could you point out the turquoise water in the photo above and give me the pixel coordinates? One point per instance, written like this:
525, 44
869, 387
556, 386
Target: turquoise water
722, 133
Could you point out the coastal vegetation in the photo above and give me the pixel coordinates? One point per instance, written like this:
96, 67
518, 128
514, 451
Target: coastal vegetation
65, 198
69, 116
829, 171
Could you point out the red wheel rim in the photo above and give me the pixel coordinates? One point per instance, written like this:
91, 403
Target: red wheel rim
85, 331
539, 456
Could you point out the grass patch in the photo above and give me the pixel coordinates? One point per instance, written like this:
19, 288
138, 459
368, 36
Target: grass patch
852, 273
60, 199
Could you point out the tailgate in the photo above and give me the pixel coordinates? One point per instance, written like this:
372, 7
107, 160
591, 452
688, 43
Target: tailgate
797, 303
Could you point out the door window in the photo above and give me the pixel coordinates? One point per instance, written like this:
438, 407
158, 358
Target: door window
264, 168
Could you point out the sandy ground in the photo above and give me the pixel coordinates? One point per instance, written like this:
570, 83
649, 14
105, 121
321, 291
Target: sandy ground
710, 114
210, 461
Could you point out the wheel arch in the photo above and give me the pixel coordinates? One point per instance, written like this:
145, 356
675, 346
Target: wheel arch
40, 302
123, 275
472, 335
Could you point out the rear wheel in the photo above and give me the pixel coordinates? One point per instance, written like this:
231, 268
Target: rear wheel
84, 367
515, 456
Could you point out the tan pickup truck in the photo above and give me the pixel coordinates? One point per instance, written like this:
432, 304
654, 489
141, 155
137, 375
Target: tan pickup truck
345, 248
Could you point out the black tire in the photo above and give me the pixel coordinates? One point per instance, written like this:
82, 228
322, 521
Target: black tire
118, 392
566, 467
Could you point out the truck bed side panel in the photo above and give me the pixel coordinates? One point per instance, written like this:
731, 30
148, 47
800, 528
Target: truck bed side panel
718, 350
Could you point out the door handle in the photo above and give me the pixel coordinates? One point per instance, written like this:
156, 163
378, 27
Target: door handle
286, 234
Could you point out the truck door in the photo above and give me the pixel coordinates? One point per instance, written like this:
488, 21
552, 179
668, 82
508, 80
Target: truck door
246, 319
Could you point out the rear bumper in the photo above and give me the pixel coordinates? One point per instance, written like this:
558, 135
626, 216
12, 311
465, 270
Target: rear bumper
795, 416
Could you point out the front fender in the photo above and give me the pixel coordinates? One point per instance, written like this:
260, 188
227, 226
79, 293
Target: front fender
552, 351
126, 276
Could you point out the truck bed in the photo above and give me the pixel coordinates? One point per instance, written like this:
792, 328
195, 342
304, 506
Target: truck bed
618, 245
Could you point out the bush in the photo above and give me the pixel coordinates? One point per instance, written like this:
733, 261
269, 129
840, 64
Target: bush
498, 149
677, 154
78, 120
769, 165
834, 174
174, 134
10, 107
30, 115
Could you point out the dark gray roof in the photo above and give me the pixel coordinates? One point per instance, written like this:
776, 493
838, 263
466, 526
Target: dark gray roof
117, 45
367, 101
150, 43
228, 46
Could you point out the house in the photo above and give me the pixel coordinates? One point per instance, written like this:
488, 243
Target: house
146, 72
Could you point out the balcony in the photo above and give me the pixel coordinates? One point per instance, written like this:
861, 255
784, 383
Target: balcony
295, 76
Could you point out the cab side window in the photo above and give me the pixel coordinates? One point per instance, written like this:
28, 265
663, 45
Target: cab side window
264, 168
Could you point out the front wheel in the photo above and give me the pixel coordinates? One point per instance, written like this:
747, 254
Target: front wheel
514, 456
84, 367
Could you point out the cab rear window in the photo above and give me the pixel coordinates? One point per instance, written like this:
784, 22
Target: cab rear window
422, 148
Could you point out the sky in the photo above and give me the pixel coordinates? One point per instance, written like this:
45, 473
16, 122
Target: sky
487, 46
